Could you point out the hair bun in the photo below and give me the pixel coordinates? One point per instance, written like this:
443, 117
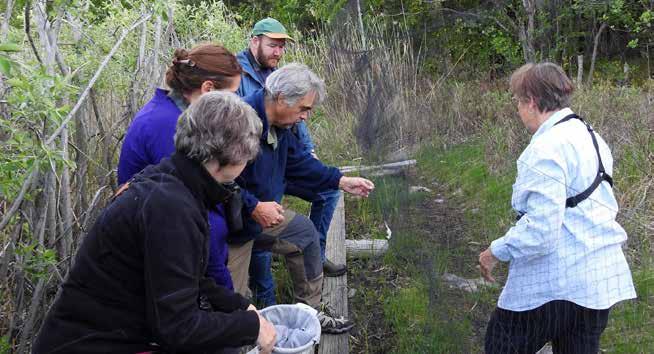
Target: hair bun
180, 54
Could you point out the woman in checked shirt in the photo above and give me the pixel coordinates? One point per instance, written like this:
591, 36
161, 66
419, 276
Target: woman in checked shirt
566, 265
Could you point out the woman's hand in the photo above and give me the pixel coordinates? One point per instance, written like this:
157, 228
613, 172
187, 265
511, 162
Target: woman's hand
486, 264
267, 336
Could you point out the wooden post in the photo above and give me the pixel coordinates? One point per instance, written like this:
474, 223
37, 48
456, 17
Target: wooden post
334, 290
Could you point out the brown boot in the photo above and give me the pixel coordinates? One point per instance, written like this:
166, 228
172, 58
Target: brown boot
331, 269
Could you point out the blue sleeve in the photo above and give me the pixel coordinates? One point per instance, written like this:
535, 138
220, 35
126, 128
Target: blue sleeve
307, 172
304, 138
133, 156
217, 262
249, 201
146, 143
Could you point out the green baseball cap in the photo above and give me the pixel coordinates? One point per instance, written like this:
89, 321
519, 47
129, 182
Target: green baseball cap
270, 28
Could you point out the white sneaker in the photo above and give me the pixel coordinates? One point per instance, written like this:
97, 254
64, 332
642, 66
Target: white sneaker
331, 324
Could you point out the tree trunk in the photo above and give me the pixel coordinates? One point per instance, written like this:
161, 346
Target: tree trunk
526, 31
35, 304
4, 28
65, 206
81, 161
592, 59
156, 70
580, 70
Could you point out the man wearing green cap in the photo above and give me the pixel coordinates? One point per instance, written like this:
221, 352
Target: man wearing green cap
266, 48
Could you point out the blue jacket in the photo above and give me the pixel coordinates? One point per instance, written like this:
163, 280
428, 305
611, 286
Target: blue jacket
150, 138
265, 178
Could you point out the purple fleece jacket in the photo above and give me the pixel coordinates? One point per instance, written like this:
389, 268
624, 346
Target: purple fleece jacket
149, 138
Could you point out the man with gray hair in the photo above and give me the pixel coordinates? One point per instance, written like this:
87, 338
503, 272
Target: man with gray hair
260, 59
290, 94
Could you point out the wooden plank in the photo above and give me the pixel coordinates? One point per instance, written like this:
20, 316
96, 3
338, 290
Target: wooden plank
334, 290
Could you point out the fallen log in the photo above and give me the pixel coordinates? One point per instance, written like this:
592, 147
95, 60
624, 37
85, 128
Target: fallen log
365, 248
387, 166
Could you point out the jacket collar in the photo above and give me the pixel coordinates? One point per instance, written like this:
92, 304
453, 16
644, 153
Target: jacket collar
198, 180
551, 121
252, 67
256, 100
179, 100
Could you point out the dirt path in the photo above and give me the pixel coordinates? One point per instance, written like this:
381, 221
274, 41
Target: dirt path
429, 240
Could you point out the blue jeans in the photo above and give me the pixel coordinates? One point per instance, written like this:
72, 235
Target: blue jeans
322, 211
297, 240
262, 282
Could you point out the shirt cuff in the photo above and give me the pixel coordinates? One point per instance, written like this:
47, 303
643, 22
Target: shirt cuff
500, 250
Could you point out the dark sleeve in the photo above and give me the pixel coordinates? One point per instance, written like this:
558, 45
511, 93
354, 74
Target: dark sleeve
307, 172
174, 240
249, 201
221, 298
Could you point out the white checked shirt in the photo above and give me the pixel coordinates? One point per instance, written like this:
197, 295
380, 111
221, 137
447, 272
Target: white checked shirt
559, 253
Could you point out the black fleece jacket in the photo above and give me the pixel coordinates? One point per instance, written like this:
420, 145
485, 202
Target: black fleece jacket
139, 274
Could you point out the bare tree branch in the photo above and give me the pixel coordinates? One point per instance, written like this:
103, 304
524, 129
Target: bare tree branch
16, 203
603, 26
95, 77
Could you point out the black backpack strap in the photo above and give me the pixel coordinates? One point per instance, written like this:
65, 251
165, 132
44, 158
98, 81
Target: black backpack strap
601, 172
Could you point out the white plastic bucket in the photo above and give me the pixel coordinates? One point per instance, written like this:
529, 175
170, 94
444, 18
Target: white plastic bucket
295, 317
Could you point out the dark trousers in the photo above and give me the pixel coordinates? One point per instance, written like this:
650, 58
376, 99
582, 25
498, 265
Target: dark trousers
571, 329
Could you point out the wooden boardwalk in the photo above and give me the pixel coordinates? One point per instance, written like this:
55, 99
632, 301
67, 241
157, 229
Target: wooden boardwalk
334, 291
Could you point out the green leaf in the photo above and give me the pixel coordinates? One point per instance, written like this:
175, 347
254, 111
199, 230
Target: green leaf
5, 66
10, 47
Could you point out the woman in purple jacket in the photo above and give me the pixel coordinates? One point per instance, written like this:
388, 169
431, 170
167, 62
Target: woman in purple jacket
149, 138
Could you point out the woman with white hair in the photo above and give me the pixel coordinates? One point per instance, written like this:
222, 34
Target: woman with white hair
566, 265
138, 283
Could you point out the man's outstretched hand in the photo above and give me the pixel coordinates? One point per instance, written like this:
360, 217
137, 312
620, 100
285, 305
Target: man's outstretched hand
356, 185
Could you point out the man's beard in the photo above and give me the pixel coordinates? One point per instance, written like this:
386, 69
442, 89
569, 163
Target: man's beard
264, 61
